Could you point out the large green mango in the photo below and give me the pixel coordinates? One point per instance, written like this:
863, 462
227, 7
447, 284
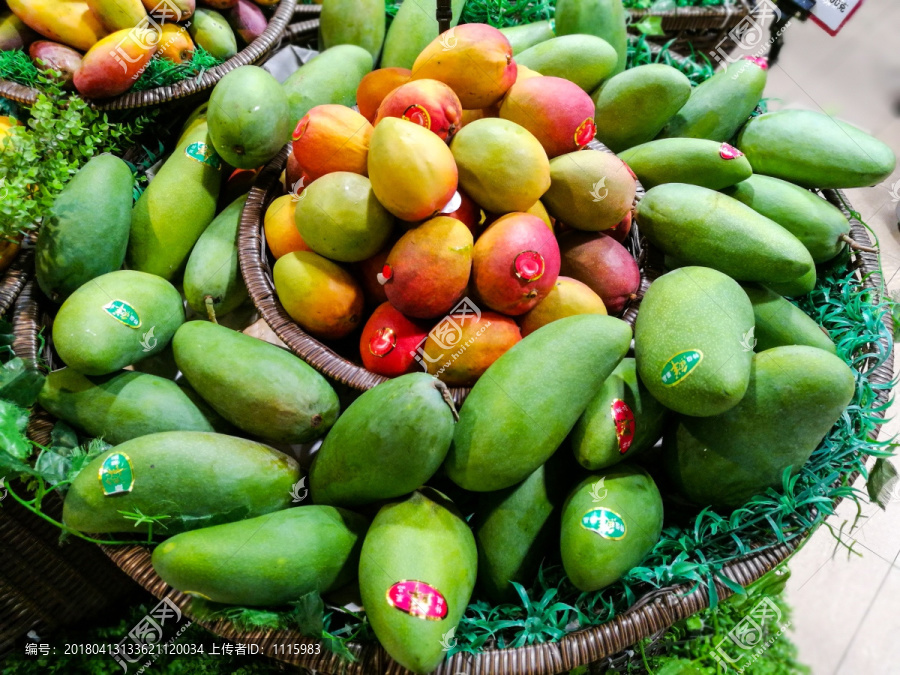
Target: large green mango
212, 270
795, 395
633, 107
188, 479
814, 150
691, 341
85, 234
121, 406
353, 22
515, 529
802, 285
606, 19
258, 387
719, 106
116, 320
176, 207
417, 571
268, 560
699, 226
527, 402
331, 77
780, 322
585, 60
413, 29
389, 442
609, 523
819, 225
695, 161
621, 421
527, 35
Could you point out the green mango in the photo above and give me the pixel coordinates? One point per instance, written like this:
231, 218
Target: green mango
725, 459
621, 422
353, 22
814, 150
690, 341
417, 572
699, 226
389, 442
802, 285
819, 225
719, 106
633, 107
527, 35
269, 560
528, 400
86, 231
260, 388
413, 28
211, 30
176, 207
331, 77
780, 323
585, 60
515, 530
194, 478
606, 19
249, 118
695, 161
610, 522
212, 270
120, 406
116, 320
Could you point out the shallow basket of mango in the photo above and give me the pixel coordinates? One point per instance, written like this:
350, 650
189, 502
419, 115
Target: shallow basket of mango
129, 55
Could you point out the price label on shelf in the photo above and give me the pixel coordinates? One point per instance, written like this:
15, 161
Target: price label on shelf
833, 14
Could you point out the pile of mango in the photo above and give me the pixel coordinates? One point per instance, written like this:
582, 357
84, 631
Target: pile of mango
101, 47
461, 204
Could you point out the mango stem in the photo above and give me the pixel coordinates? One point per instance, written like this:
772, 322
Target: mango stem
210, 309
448, 398
855, 245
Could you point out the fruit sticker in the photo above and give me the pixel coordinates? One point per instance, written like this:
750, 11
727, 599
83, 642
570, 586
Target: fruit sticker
680, 366
605, 522
624, 421
122, 312
203, 154
418, 599
729, 152
585, 132
529, 265
760, 61
116, 476
417, 114
382, 342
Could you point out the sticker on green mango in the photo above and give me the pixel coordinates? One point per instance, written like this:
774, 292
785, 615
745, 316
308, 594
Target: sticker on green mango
124, 313
203, 154
116, 475
680, 366
605, 522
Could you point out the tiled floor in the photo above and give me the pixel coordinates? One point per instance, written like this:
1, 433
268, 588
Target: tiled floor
847, 606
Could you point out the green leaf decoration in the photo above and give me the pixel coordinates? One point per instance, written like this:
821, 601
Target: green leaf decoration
650, 25
13, 421
20, 381
882, 483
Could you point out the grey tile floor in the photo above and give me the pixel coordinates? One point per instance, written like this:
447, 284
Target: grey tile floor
847, 607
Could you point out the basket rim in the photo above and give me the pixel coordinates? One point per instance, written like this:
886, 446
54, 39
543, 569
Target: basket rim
249, 55
655, 611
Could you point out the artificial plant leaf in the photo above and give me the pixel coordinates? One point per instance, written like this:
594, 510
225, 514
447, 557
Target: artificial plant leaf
52, 467
63, 439
882, 483
650, 25
20, 381
309, 614
13, 421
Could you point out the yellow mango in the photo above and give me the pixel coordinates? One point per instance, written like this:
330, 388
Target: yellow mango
68, 21
119, 14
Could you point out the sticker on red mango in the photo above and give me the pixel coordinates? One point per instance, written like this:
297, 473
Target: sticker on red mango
623, 418
418, 599
302, 125
680, 366
605, 522
585, 132
122, 312
417, 114
382, 342
529, 265
729, 152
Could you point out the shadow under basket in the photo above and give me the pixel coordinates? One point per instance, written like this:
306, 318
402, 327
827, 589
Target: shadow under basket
253, 53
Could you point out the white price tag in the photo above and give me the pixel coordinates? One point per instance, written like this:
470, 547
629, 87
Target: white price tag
833, 14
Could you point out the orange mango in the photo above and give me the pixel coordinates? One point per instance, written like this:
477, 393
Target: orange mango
112, 65
331, 138
428, 103
476, 344
70, 22
375, 86
281, 231
568, 297
176, 44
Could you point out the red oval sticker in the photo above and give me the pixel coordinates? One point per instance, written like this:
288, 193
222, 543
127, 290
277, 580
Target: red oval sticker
585, 132
300, 129
382, 342
417, 599
624, 421
729, 152
417, 114
529, 265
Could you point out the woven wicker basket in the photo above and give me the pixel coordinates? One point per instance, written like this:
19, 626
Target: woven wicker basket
702, 27
653, 613
251, 54
256, 268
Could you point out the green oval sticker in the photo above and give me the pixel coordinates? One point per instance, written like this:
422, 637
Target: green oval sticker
680, 366
124, 313
608, 524
203, 154
116, 475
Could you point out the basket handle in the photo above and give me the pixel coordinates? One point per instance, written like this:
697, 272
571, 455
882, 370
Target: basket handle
444, 15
